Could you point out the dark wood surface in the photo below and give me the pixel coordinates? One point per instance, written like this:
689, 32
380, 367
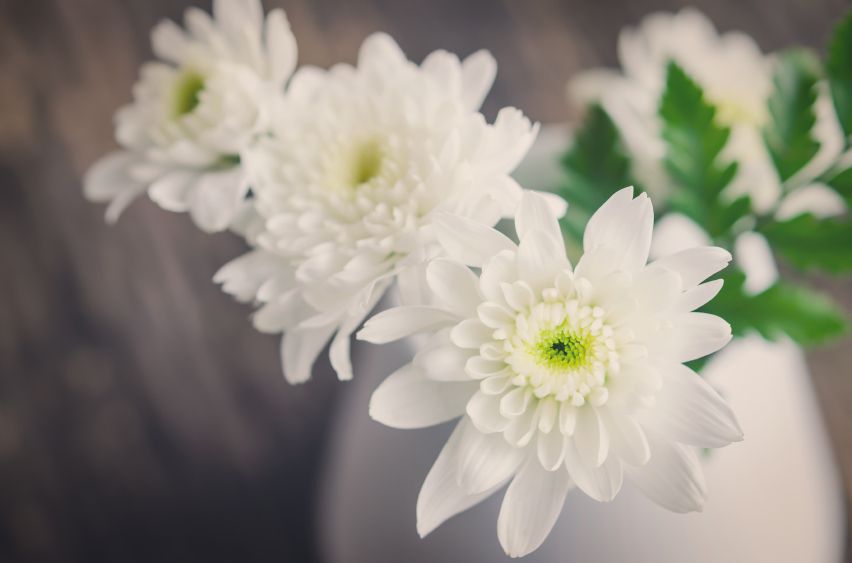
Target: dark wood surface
141, 418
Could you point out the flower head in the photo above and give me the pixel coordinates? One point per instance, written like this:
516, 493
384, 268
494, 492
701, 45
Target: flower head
564, 377
736, 78
194, 112
360, 161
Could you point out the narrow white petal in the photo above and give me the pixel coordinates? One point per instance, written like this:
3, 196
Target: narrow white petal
171, 190
551, 449
540, 257
215, 199
530, 508
495, 272
406, 399
169, 42
400, 322
485, 460
484, 411
338, 352
688, 410
698, 296
469, 242
441, 497
673, 478
627, 439
379, 50
591, 437
478, 73
281, 46
696, 264
601, 483
623, 225
441, 360
455, 285
109, 180
535, 213
243, 276
299, 350
470, 333
697, 334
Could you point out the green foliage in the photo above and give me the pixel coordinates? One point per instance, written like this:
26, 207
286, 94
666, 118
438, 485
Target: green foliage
839, 68
810, 242
596, 166
805, 316
791, 111
842, 184
694, 141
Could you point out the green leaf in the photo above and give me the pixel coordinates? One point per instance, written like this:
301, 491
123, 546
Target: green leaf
842, 184
791, 111
805, 316
596, 166
839, 68
809, 242
694, 141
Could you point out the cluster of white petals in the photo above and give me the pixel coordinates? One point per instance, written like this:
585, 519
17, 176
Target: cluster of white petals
195, 111
736, 77
563, 377
359, 161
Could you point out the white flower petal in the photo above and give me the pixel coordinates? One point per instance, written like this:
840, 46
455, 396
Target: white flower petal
551, 450
530, 508
338, 352
673, 477
406, 399
441, 497
478, 73
698, 296
454, 285
601, 483
281, 46
300, 348
469, 242
627, 439
400, 322
215, 199
695, 264
697, 334
171, 190
484, 411
540, 258
688, 410
485, 460
591, 437
624, 225
440, 360
243, 276
470, 333
535, 213
495, 272
109, 180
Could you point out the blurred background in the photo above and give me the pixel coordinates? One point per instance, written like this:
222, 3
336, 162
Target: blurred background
141, 417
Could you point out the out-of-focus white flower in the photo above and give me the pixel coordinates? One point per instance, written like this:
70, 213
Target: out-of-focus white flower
735, 76
195, 111
346, 188
563, 377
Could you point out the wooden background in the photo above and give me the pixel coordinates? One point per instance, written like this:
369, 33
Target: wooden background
141, 418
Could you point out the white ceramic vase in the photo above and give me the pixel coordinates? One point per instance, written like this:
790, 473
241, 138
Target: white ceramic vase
773, 498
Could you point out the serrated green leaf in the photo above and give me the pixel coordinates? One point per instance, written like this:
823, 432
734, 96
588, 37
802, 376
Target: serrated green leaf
791, 111
804, 315
839, 69
694, 141
596, 166
809, 242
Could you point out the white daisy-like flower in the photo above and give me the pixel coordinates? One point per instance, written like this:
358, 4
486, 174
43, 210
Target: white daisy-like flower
194, 112
563, 377
736, 77
346, 188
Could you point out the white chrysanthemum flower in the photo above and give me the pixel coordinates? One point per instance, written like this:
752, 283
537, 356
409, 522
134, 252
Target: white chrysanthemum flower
195, 111
563, 377
346, 189
735, 76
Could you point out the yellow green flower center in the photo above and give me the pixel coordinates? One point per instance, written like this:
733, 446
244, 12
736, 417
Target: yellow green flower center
366, 162
561, 349
187, 93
